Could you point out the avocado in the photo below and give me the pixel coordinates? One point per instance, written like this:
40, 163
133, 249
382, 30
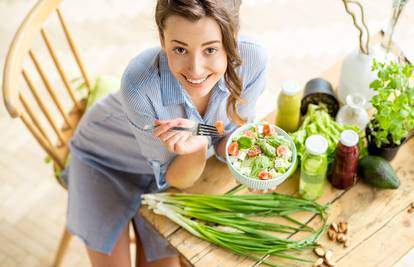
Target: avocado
377, 171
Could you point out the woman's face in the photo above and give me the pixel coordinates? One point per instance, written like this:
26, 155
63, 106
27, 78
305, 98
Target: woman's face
195, 52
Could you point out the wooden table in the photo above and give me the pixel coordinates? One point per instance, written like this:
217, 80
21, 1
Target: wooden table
381, 229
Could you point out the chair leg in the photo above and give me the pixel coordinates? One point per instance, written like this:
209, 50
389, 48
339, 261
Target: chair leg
63, 244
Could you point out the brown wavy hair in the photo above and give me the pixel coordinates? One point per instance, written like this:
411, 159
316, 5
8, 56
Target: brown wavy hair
226, 14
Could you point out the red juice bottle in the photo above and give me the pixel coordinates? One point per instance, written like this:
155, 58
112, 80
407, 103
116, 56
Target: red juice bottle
345, 164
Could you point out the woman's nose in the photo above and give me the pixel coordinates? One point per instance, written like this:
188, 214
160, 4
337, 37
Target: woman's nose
196, 66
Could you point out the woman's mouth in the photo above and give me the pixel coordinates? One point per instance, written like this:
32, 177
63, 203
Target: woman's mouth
197, 82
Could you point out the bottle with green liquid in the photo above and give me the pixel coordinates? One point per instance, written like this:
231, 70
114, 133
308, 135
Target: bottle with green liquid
314, 167
288, 106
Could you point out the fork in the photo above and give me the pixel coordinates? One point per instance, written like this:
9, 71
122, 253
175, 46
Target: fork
197, 129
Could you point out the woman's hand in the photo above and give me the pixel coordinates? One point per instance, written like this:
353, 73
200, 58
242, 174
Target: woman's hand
179, 142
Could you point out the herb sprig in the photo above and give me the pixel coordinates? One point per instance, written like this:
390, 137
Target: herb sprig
393, 116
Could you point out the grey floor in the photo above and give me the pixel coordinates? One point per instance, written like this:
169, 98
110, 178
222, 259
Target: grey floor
303, 38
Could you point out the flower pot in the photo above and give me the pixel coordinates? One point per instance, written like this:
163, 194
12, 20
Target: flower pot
387, 152
318, 91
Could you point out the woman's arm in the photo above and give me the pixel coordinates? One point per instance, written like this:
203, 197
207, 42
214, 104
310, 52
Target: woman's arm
184, 170
191, 152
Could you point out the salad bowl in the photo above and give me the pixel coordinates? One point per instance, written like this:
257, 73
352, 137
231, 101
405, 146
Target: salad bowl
260, 155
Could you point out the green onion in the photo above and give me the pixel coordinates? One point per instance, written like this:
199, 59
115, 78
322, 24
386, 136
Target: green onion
226, 221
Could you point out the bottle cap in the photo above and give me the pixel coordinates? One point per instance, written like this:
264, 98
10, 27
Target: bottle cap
349, 138
290, 87
316, 144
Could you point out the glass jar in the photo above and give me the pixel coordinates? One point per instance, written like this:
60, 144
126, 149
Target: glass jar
354, 113
345, 164
288, 106
314, 167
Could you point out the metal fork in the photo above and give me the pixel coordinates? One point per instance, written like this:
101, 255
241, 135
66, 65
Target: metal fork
198, 129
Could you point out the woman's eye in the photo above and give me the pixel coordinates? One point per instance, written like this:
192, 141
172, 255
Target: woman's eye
180, 50
211, 50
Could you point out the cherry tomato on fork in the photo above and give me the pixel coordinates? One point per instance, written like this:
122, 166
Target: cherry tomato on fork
220, 127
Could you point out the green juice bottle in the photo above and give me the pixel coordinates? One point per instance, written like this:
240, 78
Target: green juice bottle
288, 106
314, 167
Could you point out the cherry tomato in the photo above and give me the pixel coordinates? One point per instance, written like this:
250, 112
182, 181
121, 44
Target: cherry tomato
220, 127
254, 151
248, 133
264, 175
233, 149
268, 130
281, 150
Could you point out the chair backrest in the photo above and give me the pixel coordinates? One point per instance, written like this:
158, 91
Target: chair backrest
50, 112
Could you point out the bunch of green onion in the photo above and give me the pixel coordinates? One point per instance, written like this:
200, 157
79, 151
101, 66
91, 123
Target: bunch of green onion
225, 220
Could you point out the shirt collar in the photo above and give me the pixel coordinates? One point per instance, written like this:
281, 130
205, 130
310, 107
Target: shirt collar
171, 90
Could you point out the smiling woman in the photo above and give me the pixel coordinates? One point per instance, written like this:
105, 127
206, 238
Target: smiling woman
200, 74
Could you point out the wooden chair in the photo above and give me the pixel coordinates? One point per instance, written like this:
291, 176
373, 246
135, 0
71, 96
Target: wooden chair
41, 106
44, 108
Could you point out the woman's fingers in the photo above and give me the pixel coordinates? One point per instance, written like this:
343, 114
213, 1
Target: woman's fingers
171, 142
181, 144
162, 127
167, 135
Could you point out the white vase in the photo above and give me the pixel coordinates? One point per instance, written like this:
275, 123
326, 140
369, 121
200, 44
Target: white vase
356, 73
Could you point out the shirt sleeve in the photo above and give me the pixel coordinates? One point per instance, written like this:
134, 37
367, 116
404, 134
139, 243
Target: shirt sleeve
253, 74
140, 113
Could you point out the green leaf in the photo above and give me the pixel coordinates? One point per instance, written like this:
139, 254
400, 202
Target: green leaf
375, 84
245, 142
407, 70
404, 113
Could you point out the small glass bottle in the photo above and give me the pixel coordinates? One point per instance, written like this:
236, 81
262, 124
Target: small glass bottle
353, 113
313, 168
288, 106
345, 164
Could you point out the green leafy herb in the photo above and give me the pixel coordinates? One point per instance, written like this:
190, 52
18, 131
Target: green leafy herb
393, 117
245, 142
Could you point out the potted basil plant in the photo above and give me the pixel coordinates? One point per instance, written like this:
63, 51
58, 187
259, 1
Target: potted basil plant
393, 104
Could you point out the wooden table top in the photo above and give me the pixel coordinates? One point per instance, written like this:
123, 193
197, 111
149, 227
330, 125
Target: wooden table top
381, 230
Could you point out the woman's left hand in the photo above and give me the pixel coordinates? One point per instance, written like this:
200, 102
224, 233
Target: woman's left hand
179, 142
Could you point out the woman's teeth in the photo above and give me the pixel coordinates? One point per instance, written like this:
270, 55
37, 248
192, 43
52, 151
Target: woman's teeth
196, 81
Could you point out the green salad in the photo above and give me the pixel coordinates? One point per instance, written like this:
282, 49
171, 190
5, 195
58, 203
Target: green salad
260, 152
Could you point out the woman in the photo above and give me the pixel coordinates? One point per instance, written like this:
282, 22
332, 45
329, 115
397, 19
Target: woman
201, 74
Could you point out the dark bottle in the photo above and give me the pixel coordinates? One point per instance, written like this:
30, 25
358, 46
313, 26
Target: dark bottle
345, 164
